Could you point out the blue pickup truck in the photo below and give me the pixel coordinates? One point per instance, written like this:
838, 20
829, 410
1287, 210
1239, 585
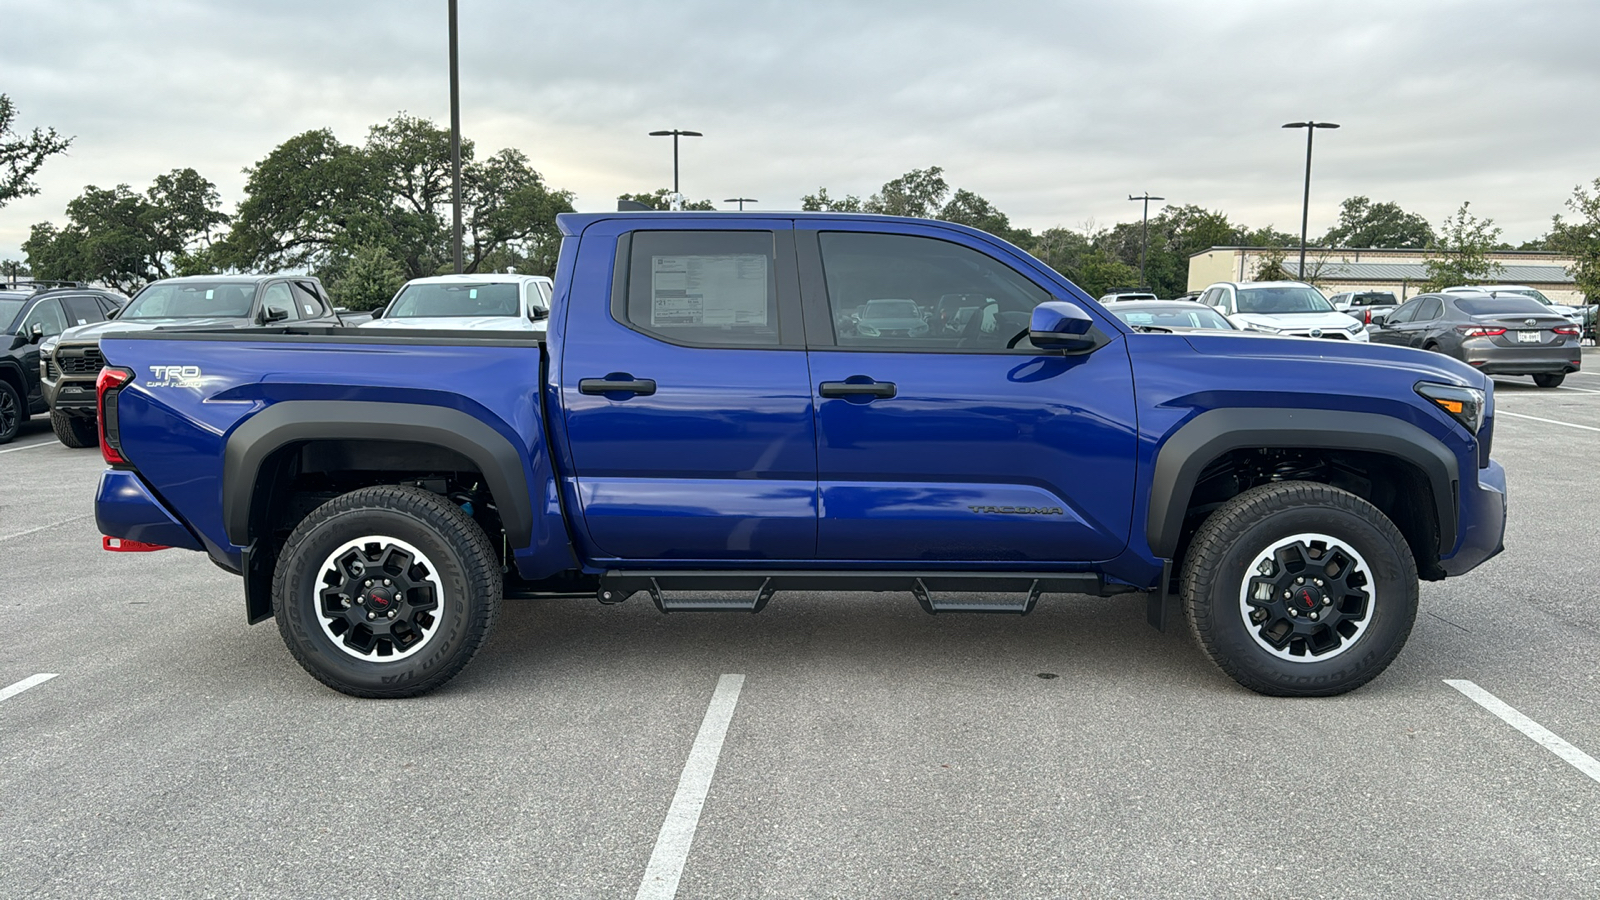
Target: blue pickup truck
719, 412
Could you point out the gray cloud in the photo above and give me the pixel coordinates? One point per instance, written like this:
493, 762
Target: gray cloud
1053, 111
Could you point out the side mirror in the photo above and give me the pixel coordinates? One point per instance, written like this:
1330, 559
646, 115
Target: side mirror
1059, 325
538, 312
1378, 320
117, 311
377, 313
36, 333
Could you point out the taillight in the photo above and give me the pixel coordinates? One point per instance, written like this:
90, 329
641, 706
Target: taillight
1366, 317
1568, 330
106, 389
1479, 331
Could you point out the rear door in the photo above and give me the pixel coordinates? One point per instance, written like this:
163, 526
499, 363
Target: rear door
938, 442
685, 392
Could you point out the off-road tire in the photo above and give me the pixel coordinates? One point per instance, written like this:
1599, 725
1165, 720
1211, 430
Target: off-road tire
464, 562
1550, 381
13, 412
1217, 571
75, 431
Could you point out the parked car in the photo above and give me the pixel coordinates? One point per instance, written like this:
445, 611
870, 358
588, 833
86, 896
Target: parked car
1289, 308
30, 324
695, 423
1363, 305
1497, 334
73, 362
1572, 313
1170, 315
1124, 295
488, 302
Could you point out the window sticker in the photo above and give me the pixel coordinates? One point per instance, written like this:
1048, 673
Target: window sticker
708, 290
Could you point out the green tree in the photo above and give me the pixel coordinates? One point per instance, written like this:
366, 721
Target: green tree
1363, 223
1460, 252
919, 194
821, 202
314, 203
367, 279
21, 156
1580, 239
127, 239
662, 199
11, 270
1271, 266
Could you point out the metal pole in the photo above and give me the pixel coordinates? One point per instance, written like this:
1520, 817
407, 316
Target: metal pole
675, 162
455, 140
1305, 205
1144, 233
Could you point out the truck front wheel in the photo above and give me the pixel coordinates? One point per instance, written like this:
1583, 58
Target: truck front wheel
386, 591
75, 431
1300, 589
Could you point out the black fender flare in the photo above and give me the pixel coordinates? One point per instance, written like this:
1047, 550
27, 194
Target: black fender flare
1211, 434
290, 421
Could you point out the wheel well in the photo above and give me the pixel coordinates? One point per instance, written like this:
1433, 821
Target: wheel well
13, 376
298, 477
1398, 488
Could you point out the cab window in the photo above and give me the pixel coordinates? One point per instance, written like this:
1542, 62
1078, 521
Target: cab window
705, 288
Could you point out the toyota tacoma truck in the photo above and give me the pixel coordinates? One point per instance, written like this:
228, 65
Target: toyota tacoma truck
707, 423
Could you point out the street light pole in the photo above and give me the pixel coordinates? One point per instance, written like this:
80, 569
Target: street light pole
677, 197
1144, 234
1305, 206
455, 141
741, 201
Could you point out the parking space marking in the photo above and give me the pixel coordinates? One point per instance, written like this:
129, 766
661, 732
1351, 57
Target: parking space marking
683, 817
1541, 735
30, 682
1501, 412
27, 447
8, 537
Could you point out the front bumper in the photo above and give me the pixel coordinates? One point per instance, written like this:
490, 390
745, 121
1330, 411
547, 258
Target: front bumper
125, 508
68, 377
1483, 521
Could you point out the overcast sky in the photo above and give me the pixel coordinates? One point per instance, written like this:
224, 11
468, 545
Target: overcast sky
1053, 111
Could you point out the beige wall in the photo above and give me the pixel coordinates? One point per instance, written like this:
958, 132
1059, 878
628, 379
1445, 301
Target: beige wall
1237, 264
1212, 266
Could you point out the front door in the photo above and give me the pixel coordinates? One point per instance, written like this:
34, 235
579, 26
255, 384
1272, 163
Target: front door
686, 394
937, 441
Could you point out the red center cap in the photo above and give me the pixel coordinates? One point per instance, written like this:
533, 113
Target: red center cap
379, 599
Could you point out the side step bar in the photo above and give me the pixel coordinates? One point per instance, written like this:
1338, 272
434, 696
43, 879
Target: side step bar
618, 585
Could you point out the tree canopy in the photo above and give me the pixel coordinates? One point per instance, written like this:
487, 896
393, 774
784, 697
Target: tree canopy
21, 156
1580, 238
1363, 223
1460, 251
128, 239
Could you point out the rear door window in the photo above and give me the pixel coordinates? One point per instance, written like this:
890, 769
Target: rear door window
82, 311
702, 288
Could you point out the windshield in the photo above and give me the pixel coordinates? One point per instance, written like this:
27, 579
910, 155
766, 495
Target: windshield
192, 300
418, 301
8, 311
1277, 301
1373, 300
891, 309
1502, 305
1173, 317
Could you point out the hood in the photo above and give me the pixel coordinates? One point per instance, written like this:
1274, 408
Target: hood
1327, 321
1423, 364
458, 323
96, 330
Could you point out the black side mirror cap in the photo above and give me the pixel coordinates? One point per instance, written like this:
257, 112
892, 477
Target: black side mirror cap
273, 315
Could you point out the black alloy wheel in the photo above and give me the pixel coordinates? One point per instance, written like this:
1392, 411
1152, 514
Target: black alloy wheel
12, 413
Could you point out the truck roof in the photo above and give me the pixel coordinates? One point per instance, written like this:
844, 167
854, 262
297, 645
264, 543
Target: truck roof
574, 223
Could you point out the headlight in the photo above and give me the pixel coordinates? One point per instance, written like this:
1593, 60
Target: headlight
1252, 326
866, 330
48, 347
1356, 328
919, 329
1464, 404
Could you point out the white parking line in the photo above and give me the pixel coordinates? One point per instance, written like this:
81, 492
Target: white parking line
1541, 735
683, 817
1501, 412
43, 527
28, 447
24, 684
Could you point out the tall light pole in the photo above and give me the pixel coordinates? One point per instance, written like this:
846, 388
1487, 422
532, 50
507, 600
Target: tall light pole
675, 133
1144, 233
741, 201
455, 142
1305, 206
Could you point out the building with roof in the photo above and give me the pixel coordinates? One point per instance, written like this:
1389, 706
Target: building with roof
1340, 269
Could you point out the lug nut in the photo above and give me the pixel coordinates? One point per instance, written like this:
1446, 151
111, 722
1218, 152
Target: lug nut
1299, 581
1327, 601
369, 582
1319, 582
388, 582
1313, 617
1293, 611
372, 615
391, 613
1287, 594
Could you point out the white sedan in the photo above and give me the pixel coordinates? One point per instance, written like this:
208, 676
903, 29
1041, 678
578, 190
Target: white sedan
490, 302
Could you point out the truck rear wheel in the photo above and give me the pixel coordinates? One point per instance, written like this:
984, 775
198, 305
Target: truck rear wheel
1300, 589
386, 591
75, 431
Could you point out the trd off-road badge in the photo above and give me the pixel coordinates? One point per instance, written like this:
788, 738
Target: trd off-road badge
1020, 510
174, 376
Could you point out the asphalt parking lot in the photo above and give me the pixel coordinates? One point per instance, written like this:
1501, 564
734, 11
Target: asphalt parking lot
870, 750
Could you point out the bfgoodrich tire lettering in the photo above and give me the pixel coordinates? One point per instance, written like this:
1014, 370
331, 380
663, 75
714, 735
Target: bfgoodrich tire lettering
427, 619
1354, 602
